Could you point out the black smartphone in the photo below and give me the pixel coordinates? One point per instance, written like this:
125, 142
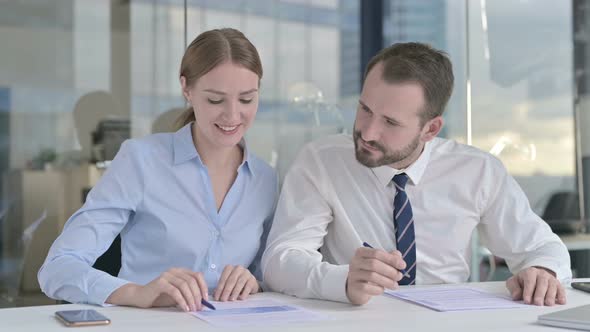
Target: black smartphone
583, 286
82, 317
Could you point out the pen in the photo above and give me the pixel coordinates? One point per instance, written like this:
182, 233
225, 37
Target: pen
207, 304
404, 273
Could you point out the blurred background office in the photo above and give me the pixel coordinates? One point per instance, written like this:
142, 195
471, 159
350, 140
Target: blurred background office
77, 77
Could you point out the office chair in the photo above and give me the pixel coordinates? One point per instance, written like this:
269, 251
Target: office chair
562, 204
110, 260
562, 213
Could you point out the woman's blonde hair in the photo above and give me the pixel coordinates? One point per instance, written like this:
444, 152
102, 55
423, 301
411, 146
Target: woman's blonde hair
212, 48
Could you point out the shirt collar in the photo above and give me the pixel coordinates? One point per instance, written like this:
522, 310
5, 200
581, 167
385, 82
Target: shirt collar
415, 171
185, 150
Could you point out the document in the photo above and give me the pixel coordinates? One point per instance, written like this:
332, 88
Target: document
255, 312
449, 298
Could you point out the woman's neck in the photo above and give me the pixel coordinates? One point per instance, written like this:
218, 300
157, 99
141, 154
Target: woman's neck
216, 158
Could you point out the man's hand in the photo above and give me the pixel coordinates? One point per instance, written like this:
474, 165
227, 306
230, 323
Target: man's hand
536, 285
176, 287
370, 272
235, 283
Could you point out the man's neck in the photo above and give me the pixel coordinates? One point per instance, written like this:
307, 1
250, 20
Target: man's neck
409, 160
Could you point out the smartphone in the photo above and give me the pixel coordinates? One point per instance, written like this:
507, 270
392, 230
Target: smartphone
583, 286
81, 317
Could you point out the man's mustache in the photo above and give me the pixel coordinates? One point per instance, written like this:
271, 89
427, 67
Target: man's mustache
374, 144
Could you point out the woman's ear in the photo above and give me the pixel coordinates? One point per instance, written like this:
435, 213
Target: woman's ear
185, 89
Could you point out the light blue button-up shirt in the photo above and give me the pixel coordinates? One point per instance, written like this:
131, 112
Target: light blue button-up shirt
157, 194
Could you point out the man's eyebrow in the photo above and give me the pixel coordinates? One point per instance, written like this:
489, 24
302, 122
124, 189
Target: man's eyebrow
392, 120
364, 105
386, 117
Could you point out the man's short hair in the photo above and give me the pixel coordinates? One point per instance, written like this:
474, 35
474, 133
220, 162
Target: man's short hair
418, 63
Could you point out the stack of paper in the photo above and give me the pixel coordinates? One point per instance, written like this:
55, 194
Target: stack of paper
449, 298
255, 312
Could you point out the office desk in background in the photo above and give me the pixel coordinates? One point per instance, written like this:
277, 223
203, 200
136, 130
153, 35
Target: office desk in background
579, 247
381, 314
577, 244
53, 195
574, 242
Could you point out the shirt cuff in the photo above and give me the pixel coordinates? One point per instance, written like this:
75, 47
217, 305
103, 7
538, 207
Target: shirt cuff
263, 286
103, 287
334, 284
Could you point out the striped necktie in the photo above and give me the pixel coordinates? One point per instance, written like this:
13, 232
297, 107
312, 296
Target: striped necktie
404, 228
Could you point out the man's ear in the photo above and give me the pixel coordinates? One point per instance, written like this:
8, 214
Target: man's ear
432, 128
185, 89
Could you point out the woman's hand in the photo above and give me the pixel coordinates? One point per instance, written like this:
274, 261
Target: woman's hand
236, 282
176, 287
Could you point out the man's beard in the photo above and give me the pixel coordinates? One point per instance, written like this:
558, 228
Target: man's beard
388, 158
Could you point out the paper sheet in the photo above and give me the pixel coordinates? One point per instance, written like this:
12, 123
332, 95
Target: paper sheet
446, 298
255, 312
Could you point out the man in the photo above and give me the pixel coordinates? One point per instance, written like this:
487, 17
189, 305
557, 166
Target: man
415, 198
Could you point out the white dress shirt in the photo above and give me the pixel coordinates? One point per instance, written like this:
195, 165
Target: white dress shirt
329, 201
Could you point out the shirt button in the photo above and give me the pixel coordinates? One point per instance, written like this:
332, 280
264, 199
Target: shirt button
213, 266
215, 233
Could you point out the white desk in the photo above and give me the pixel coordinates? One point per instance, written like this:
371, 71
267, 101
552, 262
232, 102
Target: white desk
381, 314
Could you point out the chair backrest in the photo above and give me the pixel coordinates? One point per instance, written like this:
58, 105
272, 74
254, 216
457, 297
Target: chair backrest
562, 205
110, 261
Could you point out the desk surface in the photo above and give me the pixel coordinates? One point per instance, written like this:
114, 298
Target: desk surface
381, 314
579, 241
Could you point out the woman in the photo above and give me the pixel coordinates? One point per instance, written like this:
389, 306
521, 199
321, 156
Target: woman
192, 207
